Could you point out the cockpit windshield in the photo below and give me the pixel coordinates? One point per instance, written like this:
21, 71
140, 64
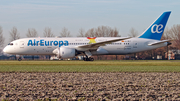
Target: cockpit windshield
10, 44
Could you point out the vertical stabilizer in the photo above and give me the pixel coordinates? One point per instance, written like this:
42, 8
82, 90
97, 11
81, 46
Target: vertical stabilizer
156, 29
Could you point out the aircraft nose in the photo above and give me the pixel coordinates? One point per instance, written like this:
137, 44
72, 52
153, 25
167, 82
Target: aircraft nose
5, 50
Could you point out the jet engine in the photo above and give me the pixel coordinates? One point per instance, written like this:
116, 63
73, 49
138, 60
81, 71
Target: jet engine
65, 52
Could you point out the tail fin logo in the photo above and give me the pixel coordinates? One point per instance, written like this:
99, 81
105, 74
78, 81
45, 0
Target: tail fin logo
157, 28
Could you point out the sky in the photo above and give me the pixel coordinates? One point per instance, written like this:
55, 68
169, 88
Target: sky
86, 14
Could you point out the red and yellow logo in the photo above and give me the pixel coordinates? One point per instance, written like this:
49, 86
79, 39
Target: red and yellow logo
91, 40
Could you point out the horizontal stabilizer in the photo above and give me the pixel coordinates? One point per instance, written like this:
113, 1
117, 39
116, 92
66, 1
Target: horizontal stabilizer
158, 42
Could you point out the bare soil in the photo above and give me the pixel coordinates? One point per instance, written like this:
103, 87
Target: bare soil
89, 86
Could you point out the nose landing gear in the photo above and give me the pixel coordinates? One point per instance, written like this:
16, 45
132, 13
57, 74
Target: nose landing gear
19, 59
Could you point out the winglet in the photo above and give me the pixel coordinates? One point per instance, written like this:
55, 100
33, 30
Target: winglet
156, 29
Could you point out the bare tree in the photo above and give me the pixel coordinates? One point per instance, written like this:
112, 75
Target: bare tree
32, 33
102, 31
166, 34
174, 33
91, 33
81, 33
133, 32
48, 32
65, 32
14, 34
1, 37
114, 33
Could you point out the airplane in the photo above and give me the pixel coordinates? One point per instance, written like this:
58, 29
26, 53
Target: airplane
69, 47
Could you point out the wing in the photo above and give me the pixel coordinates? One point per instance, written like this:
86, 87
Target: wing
158, 42
96, 45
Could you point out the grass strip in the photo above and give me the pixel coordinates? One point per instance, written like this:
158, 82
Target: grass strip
95, 66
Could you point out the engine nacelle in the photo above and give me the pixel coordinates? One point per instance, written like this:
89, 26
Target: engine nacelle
65, 52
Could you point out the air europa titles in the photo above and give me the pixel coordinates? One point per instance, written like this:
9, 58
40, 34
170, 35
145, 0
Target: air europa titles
47, 43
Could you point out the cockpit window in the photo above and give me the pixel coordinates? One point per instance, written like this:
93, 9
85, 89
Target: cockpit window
10, 44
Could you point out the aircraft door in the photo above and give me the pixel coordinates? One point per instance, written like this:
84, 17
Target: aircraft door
135, 45
21, 44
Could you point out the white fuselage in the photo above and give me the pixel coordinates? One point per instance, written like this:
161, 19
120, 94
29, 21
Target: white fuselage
88, 46
45, 46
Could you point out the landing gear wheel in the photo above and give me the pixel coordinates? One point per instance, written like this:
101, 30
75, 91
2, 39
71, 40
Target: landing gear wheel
88, 59
91, 59
85, 59
19, 59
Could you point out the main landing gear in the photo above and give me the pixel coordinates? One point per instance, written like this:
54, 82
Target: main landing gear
88, 59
